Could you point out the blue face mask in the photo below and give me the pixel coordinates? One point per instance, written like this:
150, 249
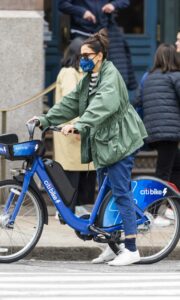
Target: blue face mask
87, 65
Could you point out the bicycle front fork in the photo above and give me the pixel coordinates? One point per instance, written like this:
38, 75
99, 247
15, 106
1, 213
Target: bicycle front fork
7, 218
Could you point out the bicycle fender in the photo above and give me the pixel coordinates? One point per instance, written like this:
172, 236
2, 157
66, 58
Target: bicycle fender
20, 178
147, 190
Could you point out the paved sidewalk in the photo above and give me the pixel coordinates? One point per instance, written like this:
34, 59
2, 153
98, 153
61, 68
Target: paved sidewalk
59, 242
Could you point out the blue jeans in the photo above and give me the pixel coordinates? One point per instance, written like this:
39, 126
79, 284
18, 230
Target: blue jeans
119, 175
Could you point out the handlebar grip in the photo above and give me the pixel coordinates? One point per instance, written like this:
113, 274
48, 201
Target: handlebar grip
31, 127
54, 128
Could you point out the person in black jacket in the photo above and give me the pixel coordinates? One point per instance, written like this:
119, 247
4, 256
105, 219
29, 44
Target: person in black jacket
160, 101
88, 17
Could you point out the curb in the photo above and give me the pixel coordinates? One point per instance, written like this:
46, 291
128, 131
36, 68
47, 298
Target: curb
64, 253
77, 253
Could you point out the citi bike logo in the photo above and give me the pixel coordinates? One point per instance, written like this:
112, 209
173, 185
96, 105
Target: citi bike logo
52, 191
153, 192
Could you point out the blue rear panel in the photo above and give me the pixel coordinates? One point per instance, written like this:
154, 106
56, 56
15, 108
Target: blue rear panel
145, 192
149, 190
111, 215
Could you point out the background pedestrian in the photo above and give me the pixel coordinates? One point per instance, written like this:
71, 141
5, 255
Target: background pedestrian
160, 101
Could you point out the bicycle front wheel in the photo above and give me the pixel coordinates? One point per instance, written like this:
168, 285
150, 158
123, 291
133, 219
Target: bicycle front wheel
18, 240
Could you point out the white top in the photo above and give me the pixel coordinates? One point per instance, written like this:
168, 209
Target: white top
93, 81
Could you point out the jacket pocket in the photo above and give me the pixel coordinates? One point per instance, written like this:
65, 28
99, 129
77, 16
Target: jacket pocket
107, 144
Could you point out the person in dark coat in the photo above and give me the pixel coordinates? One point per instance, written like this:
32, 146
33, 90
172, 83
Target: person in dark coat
160, 100
88, 17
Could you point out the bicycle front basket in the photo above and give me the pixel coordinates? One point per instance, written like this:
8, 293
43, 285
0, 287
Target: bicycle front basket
27, 149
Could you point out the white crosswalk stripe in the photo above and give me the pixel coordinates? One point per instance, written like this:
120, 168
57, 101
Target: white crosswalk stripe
91, 286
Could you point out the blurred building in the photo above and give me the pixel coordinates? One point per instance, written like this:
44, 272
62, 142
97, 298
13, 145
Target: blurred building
22, 59
21, 65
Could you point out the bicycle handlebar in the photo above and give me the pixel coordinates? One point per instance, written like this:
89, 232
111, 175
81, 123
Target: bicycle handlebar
35, 123
55, 128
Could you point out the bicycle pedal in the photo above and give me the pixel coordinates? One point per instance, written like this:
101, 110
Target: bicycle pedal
99, 231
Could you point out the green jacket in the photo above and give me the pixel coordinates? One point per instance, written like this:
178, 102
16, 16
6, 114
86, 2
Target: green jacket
109, 126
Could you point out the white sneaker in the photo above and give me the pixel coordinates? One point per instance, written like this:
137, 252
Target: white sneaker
161, 221
107, 255
169, 213
125, 258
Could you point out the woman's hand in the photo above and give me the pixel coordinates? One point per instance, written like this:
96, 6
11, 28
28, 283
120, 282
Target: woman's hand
33, 119
89, 16
108, 8
67, 129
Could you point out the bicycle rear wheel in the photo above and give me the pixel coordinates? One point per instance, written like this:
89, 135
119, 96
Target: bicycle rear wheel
154, 241
158, 239
18, 240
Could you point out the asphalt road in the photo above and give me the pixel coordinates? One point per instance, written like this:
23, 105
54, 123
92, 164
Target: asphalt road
86, 267
54, 280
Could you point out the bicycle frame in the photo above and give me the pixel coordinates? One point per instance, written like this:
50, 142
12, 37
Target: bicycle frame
112, 216
112, 220
81, 225
103, 225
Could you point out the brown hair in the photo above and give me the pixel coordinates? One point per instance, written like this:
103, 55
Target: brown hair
98, 42
71, 54
166, 59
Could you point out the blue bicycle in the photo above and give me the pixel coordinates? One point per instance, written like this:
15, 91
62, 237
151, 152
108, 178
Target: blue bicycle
23, 211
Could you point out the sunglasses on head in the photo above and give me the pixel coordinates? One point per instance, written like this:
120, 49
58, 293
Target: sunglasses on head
86, 55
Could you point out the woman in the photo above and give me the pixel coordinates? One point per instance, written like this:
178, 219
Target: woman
111, 132
160, 101
67, 150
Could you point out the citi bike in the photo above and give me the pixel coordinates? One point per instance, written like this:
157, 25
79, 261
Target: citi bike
23, 211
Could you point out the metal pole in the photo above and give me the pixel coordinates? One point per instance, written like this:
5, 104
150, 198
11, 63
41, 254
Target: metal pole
2, 160
3, 130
